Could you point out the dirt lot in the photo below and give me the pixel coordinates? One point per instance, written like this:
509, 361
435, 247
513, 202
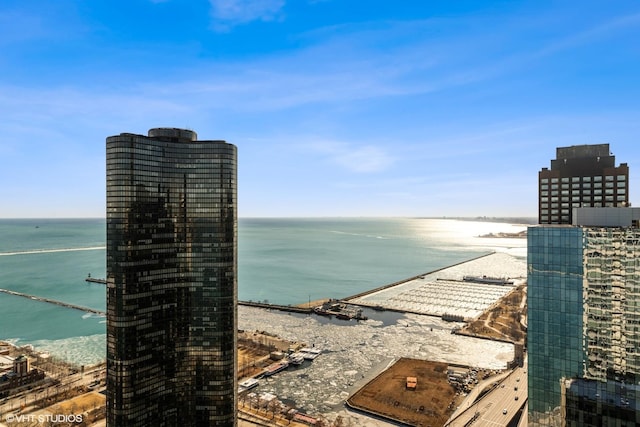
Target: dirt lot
79, 404
502, 321
430, 404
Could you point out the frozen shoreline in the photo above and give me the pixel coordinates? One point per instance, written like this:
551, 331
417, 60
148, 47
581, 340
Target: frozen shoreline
356, 351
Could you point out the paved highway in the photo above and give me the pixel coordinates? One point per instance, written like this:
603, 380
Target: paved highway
498, 406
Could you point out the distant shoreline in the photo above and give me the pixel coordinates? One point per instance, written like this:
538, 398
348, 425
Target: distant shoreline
510, 220
519, 235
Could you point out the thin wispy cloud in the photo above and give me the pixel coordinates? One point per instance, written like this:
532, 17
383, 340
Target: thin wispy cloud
516, 58
19, 26
597, 32
355, 158
228, 13
364, 106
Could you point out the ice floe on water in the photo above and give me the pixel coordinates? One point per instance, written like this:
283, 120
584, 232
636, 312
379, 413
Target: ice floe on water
355, 352
86, 350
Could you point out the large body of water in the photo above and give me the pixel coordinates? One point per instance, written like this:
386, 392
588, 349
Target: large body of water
283, 261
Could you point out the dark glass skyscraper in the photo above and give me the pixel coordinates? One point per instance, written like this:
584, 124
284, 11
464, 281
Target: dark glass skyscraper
171, 280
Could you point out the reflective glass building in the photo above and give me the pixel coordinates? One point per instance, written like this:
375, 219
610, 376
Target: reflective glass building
171, 280
583, 334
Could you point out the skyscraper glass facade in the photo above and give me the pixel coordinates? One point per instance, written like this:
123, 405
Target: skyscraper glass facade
584, 326
171, 280
554, 316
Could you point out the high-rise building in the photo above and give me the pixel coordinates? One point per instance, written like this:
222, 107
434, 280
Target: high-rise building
171, 280
580, 176
583, 337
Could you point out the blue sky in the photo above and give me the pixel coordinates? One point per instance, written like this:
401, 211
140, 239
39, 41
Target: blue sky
338, 107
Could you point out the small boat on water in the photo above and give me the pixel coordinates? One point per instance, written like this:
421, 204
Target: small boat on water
321, 311
296, 358
247, 385
343, 316
274, 368
310, 353
488, 280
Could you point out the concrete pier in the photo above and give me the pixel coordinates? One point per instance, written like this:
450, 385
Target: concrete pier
52, 301
288, 308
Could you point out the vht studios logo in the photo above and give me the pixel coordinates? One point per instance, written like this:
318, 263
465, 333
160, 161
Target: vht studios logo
43, 418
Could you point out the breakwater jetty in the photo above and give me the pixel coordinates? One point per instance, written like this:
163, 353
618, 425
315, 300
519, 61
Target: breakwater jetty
403, 281
52, 301
287, 308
